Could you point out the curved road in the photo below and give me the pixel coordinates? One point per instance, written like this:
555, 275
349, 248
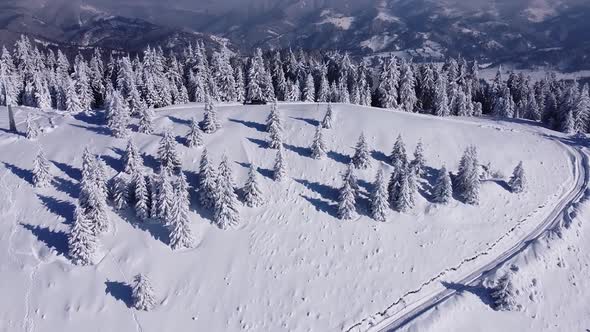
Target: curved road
557, 215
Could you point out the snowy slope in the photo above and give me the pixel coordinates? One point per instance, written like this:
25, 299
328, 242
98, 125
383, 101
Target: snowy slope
291, 265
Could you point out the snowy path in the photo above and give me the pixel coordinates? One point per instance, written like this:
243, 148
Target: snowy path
558, 214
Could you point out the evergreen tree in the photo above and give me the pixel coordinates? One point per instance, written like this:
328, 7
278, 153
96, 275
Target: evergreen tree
379, 197
179, 222
210, 123
328, 117
582, 111
82, 241
226, 212
347, 197
146, 121
41, 175
419, 162
388, 83
194, 137
441, 100
72, 101
141, 195
504, 294
318, 147
403, 200
207, 181
120, 193
32, 131
273, 117
518, 182
532, 110
253, 196
362, 157
309, 89
132, 160
443, 187
274, 128
165, 196
119, 117
398, 157
407, 92
167, 152
142, 293
280, 166
467, 180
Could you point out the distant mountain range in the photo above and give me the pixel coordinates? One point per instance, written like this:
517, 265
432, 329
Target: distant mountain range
526, 33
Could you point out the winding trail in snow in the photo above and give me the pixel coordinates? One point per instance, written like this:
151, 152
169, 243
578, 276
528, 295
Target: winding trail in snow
387, 321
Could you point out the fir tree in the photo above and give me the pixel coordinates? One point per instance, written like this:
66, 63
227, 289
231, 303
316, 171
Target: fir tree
253, 196
441, 99
403, 199
274, 129
347, 196
82, 242
309, 89
179, 222
119, 117
226, 213
207, 181
504, 294
165, 196
280, 166
120, 193
142, 293
398, 157
210, 123
167, 152
362, 157
141, 195
379, 198
146, 121
419, 162
193, 137
327, 121
72, 101
273, 117
41, 175
467, 181
518, 181
443, 187
132, 160
407, 92
318, 147
32, 131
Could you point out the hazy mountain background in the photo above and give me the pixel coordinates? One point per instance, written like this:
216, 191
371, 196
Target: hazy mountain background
524, 32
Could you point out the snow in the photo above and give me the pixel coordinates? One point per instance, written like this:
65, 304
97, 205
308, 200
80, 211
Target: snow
291, 265
338, 20
378, 43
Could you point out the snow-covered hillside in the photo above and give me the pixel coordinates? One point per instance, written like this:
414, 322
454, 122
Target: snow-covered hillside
291, 265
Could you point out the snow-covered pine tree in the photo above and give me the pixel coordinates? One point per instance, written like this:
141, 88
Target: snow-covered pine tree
532, 110
274, 128
253, 196
504, 295
226, 212
142, 293
443, 187
387, 89
347, 196
398, 157
132, 160
167, 152
309, 89
118, 116
194, 137
280, 166
146, 121
41, 175
379, 198
72, 101
210, 123
419, 161
273, 117
141, 195
407, 92
518, 181
120, 192
362, 157
467, 180
179, 222
328, 117
403, 199
441, 99
318, 146
581, 110
32, 131
207, 181
165, 195
82, 241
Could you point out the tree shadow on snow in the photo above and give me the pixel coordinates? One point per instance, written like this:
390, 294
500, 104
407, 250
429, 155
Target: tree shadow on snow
150, 161
261, 143
339, 157
66, 186
179, 120
120, 291
24, 174
322, 206
71, 171
113, 162
58, 207
325, 191
97, 130
17, 133
380, 156
54, 240
501, 183
312, 122
302, 151
155, 228
426, 186
267, 173
480, 291
251, 124
92, 118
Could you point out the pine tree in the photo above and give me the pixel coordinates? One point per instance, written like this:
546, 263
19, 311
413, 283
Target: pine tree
142, 293
398, 157
167, 152
146, 121
82, 242
120, 193
93, 192
207, 181
327, 121
309, 89
118, 116
362, 157
273, 117
280, 166
403, 200
582, 110
141, 195
504, 294
441, 99
32, 131
179, 222
41, 175
226, 212
347, 196
194, 136
253, 196
467, 180
518, 181
318, 147
132, 160
165, 196
388, 83
72, 101
274, 128
407, 92
419, 162
210, 123
443, 187
379, 197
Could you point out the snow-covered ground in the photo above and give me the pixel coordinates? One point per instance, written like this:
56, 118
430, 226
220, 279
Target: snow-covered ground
291, 265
